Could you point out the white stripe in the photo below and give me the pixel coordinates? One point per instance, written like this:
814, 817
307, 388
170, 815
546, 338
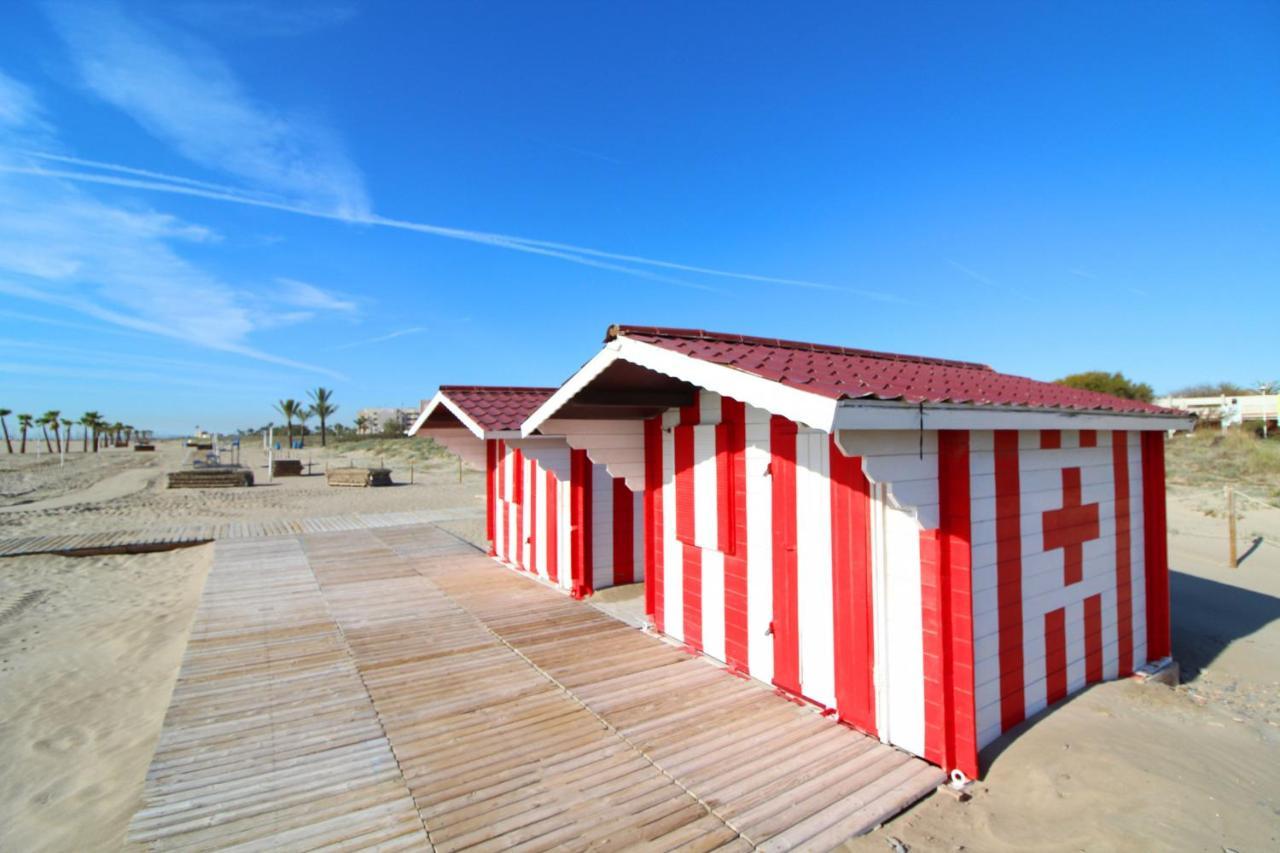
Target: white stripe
705, 495
759, 545
637, 542
813, 556
601, 528
672, 557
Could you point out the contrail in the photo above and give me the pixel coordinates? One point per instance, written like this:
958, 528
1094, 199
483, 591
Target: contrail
586, 256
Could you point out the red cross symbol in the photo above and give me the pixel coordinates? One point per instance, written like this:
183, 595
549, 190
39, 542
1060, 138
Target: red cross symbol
1070, 527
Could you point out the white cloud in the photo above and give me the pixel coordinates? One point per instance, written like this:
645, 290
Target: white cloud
399, 333
181, 91
120, 265
19, 108
299, 294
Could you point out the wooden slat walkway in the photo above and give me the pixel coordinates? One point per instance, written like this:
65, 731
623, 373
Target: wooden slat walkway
270, 740
168, 537
517, 717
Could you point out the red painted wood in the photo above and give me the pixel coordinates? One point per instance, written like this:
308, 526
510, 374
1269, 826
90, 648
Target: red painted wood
518, 533
580, 521
691, 556
1155, 547
1088, 438
786, 637
532, 534
553, 529
503, 522
1055, 654
624, 543
955, 508
731, 436
653, 520
1009, 578
1050, 439
1093, 638
932, 595
685, 494
1070, 527
851, 591
490, 473
1124, 580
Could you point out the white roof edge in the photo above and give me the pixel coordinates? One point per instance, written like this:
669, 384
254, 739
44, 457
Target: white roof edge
803, 407
896, 414
440, 399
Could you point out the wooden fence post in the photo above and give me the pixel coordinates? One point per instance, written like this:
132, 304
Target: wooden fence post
1231, 528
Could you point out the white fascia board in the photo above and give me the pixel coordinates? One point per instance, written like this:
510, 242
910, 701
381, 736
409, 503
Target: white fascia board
441, 400
891, 414
803, 407
571, 387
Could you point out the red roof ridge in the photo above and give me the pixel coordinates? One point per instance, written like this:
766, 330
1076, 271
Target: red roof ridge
621, 330
509, 389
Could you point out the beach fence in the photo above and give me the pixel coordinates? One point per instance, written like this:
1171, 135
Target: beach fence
1232, 494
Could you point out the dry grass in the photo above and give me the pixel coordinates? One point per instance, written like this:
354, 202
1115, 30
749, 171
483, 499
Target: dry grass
1209, 458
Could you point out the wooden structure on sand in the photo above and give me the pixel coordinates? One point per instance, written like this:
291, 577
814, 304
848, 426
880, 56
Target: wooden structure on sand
212, 477
359, 477
928, 549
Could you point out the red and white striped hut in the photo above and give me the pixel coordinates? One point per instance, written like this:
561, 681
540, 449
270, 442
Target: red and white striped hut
549, 510
931, 550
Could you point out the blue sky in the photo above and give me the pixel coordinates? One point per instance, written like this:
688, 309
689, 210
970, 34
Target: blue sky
207, 207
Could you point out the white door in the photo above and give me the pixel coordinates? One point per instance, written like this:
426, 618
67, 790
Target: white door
899, 650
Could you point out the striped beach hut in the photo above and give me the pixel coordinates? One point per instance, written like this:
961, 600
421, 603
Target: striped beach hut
928, 549
549, 510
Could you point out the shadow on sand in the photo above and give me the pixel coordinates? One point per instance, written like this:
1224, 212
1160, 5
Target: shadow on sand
1208, 616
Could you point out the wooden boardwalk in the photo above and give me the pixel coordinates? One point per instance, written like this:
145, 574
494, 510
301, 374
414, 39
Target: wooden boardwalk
449, 701
179, 536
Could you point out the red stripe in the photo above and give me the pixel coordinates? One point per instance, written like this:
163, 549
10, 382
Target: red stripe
518, 534
1050, 439
1124, 581
1155, 546
786, 639
1088, 438
731, 478
685, 507
1093, 638
1009, 578
624, 542
533, 517
553, 528
957, 632
580, 521
503, 518
1055, 655
653, 519
490, 473
851, 590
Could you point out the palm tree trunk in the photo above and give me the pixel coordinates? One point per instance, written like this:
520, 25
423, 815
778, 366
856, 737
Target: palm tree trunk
323, 432
24, 439
84, 436
7, 442
57, 436
44, 428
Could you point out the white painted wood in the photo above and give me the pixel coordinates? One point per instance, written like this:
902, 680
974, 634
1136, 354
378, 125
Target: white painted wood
460, 442
814, 592
616, 444
896, 415
713, 603
637, 559
601, 528
759, 544
672, 555
705, 521
552, 453
899, 653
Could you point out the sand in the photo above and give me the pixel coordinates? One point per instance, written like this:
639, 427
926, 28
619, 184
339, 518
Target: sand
89, 651
90, 648
1124, 766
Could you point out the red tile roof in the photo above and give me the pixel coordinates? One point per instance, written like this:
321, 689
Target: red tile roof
496, 408
844, 373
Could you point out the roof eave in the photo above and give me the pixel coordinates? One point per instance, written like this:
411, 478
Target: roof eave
442, 399
804, 407
898, 414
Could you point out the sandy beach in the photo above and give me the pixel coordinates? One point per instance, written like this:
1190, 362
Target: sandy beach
90, 649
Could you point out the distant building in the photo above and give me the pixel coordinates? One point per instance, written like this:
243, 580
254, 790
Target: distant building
377, 419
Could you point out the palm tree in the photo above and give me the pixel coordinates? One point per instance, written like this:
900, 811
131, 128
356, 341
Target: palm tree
44, 428
128, 433
87, 420
24, 422
51, 418
362, 421
290, 409
66, 425
303, 414
4, 413
322, 407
